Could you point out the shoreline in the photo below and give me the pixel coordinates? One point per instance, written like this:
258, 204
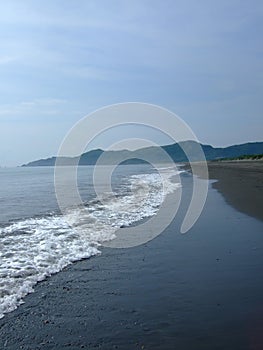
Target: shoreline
198, 291
240, 183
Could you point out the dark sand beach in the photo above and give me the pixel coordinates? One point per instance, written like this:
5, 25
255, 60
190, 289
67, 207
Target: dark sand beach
241, 183
202, 290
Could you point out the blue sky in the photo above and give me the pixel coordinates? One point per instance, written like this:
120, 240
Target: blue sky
60, 60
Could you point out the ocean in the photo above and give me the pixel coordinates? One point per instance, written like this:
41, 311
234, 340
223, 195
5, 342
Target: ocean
37, 240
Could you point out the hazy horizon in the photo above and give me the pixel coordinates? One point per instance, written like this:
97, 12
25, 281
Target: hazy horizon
61, 61
123, 149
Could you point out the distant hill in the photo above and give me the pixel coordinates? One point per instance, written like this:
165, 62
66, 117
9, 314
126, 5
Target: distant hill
153, 154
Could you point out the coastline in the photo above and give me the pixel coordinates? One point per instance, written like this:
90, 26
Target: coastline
196, 291
240, 182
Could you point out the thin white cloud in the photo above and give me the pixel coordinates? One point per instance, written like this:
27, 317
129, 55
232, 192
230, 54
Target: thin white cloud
7, 59
205, 57
39, 106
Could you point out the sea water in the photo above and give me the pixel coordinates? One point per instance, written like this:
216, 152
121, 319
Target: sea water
37, 240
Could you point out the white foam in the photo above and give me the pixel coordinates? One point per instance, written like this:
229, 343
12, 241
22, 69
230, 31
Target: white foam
32, 249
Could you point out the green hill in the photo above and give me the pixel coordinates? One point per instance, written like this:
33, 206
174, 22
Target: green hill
155, 154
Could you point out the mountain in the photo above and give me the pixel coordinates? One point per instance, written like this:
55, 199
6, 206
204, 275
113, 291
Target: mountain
155, 154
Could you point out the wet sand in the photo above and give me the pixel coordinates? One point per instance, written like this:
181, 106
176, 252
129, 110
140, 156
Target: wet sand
202, 290
241, 183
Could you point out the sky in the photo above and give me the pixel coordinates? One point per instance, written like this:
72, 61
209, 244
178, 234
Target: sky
61, 60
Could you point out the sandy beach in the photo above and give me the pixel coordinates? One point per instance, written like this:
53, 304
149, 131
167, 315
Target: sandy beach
202, 290
131, 175
241, 183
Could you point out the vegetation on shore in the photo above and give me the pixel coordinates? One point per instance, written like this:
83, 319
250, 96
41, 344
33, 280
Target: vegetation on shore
244, 157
